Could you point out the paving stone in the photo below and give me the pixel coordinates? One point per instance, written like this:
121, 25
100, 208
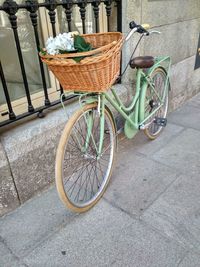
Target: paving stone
34, 221
106, 237
186, 116
176, 213
191, 260
182, 153
195, 101
7, 259
147, 147
137, 181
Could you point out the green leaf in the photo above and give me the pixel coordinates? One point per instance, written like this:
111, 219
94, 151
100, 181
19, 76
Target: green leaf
63, 52
43, 52
80, 44
67, 51
77, 59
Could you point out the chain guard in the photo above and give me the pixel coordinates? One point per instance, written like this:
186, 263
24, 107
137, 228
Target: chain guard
129, 130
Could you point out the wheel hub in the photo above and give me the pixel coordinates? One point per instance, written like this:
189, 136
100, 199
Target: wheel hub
88, 156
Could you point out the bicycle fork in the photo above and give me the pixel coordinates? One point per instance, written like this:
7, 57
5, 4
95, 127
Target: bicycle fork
89, 119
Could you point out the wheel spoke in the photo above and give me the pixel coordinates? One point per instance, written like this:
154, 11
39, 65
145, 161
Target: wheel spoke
74, 184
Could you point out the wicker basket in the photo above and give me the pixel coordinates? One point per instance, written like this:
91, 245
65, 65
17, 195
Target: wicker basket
96, 72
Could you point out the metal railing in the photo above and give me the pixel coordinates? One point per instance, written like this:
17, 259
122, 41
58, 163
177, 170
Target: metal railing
11, 8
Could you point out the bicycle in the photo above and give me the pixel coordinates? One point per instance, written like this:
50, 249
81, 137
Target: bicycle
87, 147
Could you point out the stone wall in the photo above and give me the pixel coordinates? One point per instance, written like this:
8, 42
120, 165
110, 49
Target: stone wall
27, 151
27, 157
179, 22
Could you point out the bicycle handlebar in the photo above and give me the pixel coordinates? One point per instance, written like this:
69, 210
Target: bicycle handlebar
142, 29
130, 34
157, 32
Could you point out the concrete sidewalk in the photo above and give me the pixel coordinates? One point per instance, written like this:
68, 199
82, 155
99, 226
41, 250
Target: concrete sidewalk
149, 215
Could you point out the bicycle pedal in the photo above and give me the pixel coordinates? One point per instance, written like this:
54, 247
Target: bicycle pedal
160, 121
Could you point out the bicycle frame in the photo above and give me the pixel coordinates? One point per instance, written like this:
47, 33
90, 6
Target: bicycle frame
137, 104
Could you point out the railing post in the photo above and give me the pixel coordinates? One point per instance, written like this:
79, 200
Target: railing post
68, 4
108, 4
95, 5
82, 5
11, 8
5, 89
119, 15
32, 7
51, 6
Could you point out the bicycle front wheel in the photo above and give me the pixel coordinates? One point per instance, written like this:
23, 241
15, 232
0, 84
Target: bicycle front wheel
81, 174
153, 100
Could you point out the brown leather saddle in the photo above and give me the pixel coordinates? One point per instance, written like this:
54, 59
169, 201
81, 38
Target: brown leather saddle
142, 62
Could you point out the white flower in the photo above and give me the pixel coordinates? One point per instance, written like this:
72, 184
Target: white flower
50, 46
63, 42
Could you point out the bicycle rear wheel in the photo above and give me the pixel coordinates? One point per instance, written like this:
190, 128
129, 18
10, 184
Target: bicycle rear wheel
81, 174
153, 100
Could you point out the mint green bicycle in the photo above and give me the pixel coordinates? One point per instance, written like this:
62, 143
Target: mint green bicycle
87, 147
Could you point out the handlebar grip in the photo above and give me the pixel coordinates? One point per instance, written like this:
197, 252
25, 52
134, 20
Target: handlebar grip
132, 25
140, 28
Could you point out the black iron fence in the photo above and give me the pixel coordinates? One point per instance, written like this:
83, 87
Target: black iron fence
11, 8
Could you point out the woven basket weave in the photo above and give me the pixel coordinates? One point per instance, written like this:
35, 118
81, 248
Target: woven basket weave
96, 72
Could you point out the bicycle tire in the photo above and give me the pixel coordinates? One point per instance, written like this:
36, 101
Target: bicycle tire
68, 144
159, 77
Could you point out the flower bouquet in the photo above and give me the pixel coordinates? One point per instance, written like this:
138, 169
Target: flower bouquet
66, 43
84, 63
